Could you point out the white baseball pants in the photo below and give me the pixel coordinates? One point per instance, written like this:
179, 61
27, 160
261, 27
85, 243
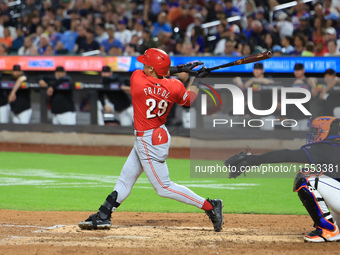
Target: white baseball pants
66, 118
23, 117
4, 113
150, 158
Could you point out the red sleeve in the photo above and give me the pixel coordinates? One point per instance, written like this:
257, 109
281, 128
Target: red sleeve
185, 97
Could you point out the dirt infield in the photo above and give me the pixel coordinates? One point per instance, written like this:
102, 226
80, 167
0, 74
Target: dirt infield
156, 233
24, 232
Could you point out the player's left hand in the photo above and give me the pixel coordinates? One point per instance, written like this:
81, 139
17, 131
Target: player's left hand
187, 68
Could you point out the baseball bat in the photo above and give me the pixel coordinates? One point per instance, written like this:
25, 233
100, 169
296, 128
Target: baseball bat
246, 60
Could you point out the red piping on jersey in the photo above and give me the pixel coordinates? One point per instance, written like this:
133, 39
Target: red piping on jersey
160, 182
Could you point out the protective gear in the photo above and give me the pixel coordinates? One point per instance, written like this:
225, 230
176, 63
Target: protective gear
156, 58
323, 128
235, 162
109, 205
203, 72
312, 200
187, 68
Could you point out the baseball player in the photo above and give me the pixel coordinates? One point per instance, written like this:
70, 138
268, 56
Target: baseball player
59, 88
118, 97
318, 188
20, 99
153, 95
4, 106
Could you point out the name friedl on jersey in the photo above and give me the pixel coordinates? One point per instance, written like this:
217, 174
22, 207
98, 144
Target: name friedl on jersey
157, 91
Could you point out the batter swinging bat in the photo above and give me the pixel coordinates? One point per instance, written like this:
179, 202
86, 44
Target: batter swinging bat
246, 60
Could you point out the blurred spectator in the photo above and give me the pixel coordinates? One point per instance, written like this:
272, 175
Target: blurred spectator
332, 48
49, 50
116, 50
81, 37
197, 39
45, 22
299, 45
330, 34
198, 20
161, 25
138, 28
89, 44
3, 49
25, 50
7, 39
187, 49
240, 5
287, 47
320, 47
101, 33
166, 42
309, 51
230, 10
131, 50
329, 9
269, 42
248, 30
284, 26
300, 11
18, 41
221, 35
318, 31
230, 49
54, 36
183, 21
260, 17
258, 34
123, 34
247, 49
148, 41
35, 20
36, 36
111, 41
277, 51
304, 28
20, 99
176, 10
69, 37
44, 41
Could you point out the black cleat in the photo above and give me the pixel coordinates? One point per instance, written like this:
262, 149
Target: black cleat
216, 214
95, 222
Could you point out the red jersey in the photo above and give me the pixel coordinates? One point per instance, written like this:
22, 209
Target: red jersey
153, 98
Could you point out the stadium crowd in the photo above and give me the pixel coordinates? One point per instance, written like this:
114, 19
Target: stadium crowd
129, 27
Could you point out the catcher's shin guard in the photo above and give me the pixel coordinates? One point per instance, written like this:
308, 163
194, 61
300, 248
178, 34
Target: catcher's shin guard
109, 205
314, 203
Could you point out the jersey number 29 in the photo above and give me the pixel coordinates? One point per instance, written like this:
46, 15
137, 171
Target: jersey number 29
162, 106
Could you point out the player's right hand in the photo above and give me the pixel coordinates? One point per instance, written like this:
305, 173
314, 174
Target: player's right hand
203, 72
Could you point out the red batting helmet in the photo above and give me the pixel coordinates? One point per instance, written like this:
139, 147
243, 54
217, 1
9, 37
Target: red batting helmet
156, 58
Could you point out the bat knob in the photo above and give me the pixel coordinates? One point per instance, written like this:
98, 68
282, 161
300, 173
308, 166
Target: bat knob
269, 54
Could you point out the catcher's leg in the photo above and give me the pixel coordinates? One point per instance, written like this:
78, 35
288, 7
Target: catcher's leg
326, 229
131, 171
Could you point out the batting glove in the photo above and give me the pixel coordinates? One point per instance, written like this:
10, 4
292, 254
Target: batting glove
188, 67
203, 72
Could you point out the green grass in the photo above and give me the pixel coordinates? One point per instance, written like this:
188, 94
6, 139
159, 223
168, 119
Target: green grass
47, 182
